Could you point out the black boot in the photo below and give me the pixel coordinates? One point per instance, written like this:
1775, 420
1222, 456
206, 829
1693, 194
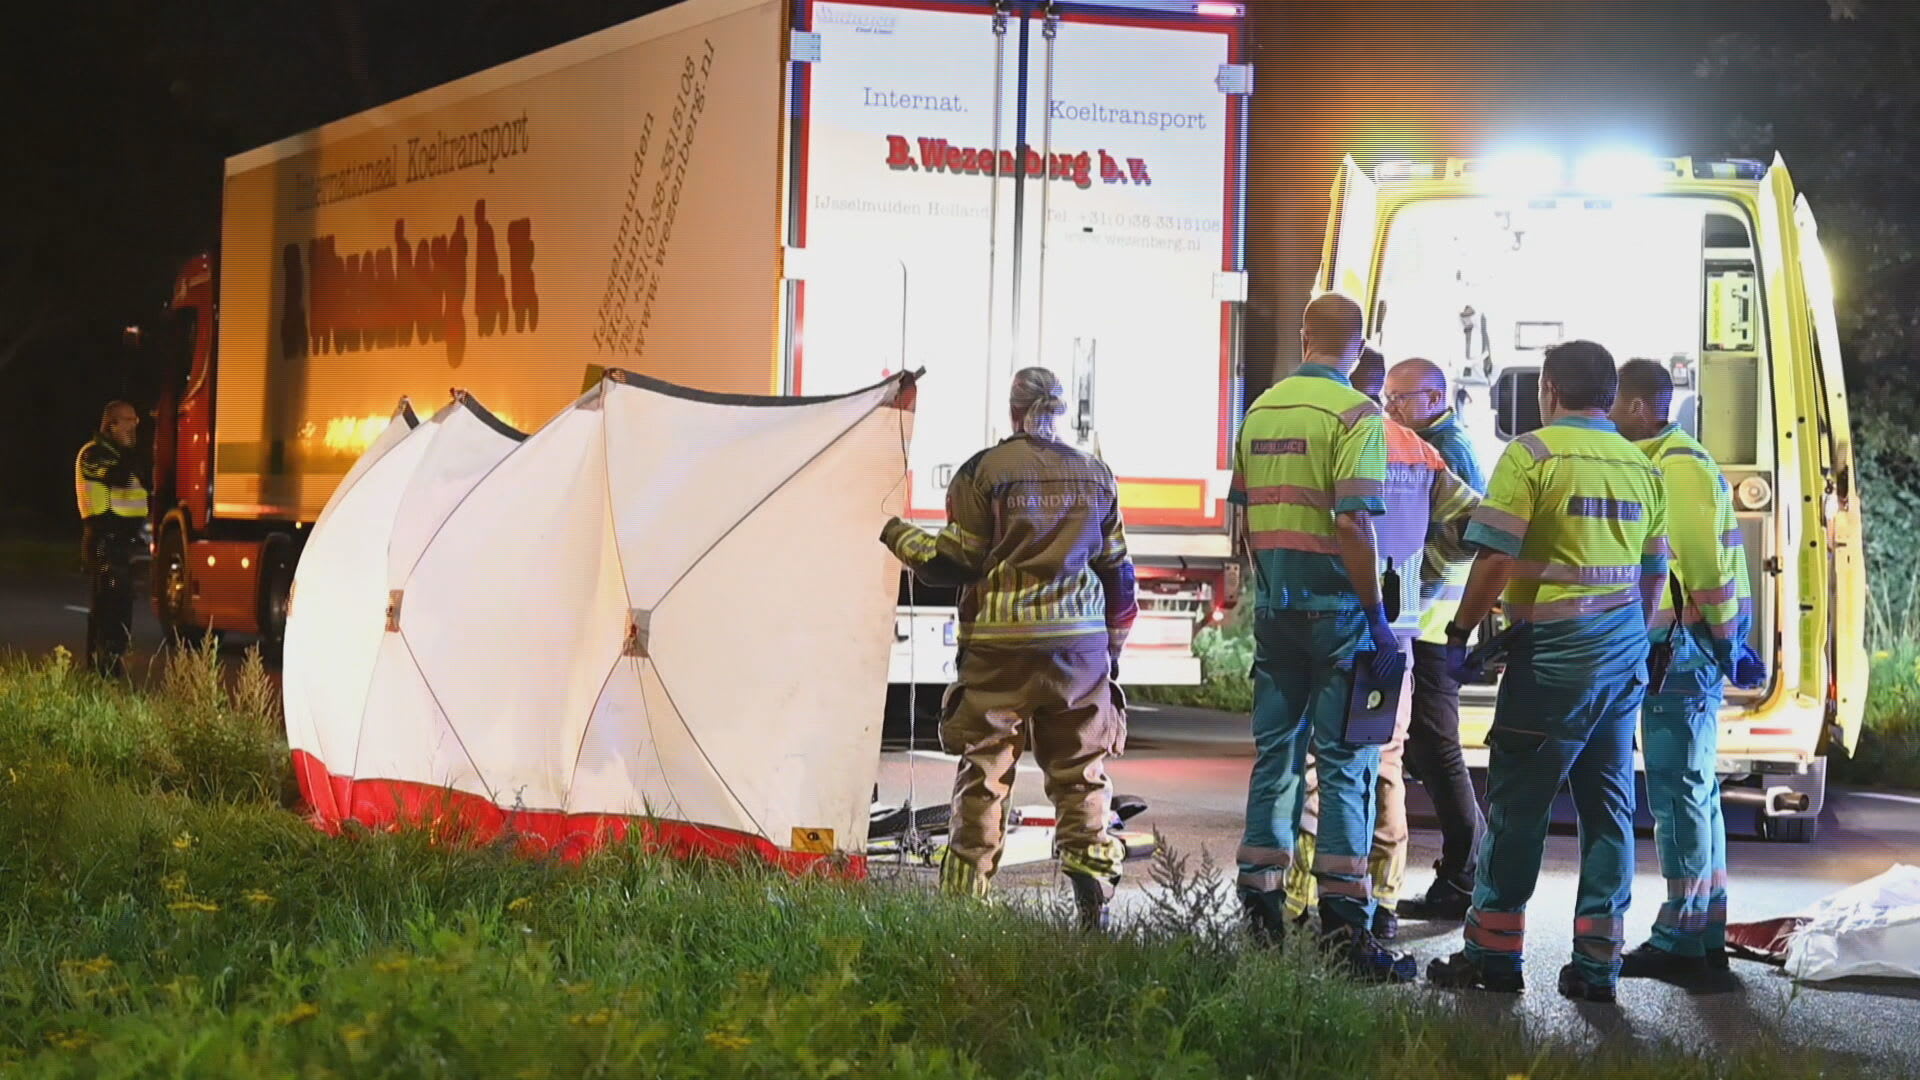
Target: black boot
1578, 987
1266, 915
1386, 924
1443, 902
1458, 972
1090, 898
1368, 959
1649, 961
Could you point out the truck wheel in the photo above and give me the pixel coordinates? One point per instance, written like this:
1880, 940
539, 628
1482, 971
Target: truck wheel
173, 589
277, 557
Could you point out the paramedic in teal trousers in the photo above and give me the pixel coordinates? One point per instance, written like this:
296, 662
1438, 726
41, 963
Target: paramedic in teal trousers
1680, 727
1310, 470
1573, 537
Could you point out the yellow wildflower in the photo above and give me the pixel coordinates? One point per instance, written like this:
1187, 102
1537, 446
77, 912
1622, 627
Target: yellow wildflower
175, 882
183, 841
353, 1033
306, 1010
726, 1040
194, 903
1882, 655
388, 967
522, 904
70, 1040
99, 965
257, 897
597, 1017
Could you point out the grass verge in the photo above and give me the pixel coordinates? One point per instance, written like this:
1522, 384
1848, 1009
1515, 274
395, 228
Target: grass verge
36, 555
160, 913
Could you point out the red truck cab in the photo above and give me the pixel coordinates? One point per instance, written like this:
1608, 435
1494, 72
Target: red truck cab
209, 575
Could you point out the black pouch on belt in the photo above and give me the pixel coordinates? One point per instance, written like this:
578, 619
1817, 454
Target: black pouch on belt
1660, 656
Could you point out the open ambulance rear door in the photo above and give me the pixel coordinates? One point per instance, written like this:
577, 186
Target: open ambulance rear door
1827, 662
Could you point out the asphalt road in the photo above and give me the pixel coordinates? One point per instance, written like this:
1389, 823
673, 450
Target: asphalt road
1191, 767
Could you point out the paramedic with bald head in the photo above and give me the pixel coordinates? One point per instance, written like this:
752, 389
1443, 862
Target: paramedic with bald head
1035, 540
1428, 510
1416, 396
1310, 470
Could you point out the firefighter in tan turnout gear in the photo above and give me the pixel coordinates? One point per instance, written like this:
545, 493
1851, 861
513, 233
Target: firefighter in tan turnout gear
113, 505
1034, 533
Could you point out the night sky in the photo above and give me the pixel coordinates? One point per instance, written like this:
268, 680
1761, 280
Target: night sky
120, 115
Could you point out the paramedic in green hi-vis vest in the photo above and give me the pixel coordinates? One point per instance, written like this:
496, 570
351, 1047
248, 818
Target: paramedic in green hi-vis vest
1574, 530
1310, 470
1681, 722
113, 506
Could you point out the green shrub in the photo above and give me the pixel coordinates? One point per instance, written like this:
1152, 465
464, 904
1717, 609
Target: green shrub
1888, 753
202, 733
1226, 663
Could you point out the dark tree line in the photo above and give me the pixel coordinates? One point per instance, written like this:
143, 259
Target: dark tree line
121, 113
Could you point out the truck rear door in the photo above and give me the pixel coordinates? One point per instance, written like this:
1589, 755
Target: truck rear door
1130, 279
980, 189
899, 110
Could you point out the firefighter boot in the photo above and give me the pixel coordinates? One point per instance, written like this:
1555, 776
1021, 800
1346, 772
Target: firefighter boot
1091, 894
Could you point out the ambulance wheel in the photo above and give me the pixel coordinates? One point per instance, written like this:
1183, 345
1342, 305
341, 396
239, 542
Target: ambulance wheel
1789, 830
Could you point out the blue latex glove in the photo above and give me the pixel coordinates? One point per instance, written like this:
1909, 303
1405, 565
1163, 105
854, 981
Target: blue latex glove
1389, 662
1459, 669
1749, 671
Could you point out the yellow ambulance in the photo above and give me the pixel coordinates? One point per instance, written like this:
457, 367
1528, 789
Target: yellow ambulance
1711, 266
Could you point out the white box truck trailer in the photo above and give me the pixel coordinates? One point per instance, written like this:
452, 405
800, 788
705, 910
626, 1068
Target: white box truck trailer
753, 196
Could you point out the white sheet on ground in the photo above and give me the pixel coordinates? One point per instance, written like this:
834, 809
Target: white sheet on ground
1872, 928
